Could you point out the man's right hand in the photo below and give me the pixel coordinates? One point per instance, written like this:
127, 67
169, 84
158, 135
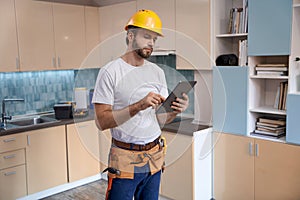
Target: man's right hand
152, 99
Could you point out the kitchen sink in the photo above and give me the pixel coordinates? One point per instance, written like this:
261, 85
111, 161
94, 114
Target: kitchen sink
32, 121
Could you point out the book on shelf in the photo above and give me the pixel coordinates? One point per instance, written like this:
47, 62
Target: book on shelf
281, 94
243, 52
275, 130
264, 124
270, 73
274, 121
265, 133
237, 20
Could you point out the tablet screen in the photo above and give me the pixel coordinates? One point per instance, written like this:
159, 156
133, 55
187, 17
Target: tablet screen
181, 87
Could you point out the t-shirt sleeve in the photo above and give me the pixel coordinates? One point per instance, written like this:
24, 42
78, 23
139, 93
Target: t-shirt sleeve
103, 92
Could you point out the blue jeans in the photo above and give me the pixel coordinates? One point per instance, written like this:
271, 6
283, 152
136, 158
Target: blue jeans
143, 186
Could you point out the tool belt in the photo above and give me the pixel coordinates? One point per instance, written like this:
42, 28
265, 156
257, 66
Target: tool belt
135, 147
124, 157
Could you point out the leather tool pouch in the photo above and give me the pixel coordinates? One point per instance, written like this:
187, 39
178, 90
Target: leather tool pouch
125, 161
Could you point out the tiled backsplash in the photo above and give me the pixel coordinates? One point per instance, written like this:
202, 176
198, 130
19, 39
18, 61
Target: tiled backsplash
42, 89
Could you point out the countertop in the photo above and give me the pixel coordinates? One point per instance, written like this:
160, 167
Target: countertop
179, 125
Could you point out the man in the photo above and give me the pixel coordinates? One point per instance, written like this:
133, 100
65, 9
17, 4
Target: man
127, 93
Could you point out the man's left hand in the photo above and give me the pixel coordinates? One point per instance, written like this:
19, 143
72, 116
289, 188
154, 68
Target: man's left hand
180, 105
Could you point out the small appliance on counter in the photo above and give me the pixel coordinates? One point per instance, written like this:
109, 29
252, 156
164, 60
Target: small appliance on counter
80, 96
63, 111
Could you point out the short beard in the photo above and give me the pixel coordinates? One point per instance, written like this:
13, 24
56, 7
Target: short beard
141, 53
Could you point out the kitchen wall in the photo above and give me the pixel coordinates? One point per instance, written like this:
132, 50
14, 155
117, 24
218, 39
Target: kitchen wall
42, 89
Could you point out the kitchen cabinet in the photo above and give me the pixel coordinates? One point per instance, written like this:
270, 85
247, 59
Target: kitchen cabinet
9, 57
83, 150
269, 34
12, 167
230, 99
193, 34
92, 37
46, 158
251, 168
35, 35
112, 33
166, 11
69, 34
105, 144
177, 179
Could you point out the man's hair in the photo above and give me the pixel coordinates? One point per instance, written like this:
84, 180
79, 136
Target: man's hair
132, 29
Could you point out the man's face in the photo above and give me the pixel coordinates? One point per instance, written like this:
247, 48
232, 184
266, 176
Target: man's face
143, 42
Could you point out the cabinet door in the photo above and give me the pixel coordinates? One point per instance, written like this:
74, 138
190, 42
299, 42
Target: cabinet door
92, 37
233, 167
83, 150
292, 119
177, 179
112, 33
230, 94
166, 11
46, 158
277, 171
193, 34
69, 35
35, 35
269, 33
13, 183
8, 37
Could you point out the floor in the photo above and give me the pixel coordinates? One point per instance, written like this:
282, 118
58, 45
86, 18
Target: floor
95, 190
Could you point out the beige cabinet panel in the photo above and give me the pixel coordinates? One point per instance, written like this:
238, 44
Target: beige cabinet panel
166, 11
105, 143
12, 142
193, 34
92, 35
177, 179
69, 35
233, 167
46, 158
83, 150
8, 37
12, 158
112, 33
13, 183
35, 35
277, 173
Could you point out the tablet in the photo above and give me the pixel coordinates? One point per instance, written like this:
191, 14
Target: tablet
181, 87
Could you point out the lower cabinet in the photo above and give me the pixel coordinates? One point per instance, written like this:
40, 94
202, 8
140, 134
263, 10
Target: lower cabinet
83, 150
251, 168
46, 158
177, 179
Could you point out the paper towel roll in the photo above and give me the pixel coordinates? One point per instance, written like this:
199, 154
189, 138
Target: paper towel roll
81, 98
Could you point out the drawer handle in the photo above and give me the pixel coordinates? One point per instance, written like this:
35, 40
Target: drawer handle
83, 126
10, 173
9, 140
9, 156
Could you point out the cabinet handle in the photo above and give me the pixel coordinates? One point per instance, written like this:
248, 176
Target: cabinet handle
10, 173
28, 140
54, 62
83, 126
17, 63
58, 61
9, 140
256, 150
9, 156
250, 148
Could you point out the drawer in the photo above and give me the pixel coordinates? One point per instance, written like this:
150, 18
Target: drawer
12, 142
13, 183
12, 158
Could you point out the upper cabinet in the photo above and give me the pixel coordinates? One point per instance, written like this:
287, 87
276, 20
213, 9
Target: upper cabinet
69, 32
35, 35
193, 34
166, 11
112, 33
269, 33
9, 58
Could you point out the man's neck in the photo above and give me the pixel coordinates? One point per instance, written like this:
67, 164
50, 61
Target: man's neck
133, 59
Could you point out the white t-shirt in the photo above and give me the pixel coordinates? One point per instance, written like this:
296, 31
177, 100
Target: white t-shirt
120, 84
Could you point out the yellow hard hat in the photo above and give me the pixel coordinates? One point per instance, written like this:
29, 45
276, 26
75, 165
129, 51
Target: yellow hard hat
146, 19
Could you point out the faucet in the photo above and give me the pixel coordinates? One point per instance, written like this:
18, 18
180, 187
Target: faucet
5, 117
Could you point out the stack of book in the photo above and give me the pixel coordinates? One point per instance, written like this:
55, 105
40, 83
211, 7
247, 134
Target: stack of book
271, 70
280, 99
273, 127
238, 19
243, 53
